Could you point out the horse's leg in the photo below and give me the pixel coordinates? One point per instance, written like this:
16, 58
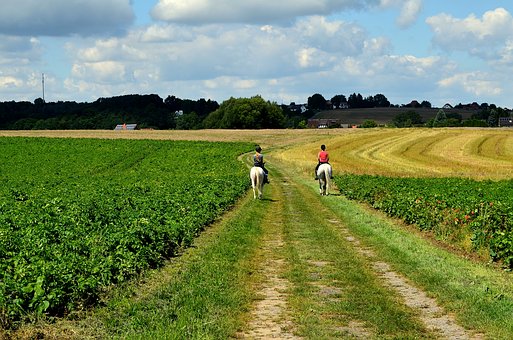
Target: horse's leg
328, 178
253, 185
261, 186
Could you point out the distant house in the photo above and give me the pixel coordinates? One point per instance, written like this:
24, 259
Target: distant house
126, 127
447, 106
298, 108
343, 105
505, 121
323, 123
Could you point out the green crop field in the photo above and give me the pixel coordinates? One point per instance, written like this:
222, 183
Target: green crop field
78, 215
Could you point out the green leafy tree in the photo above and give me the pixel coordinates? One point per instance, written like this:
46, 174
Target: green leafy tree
355, 101
188, 121
246, 113
369, 123
425, 104
317, 102
302, 124
407, 119
493, 118
380, 100
440, 118
338, 100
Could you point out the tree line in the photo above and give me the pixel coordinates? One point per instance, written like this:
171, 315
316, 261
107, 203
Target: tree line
151, 111
148, 111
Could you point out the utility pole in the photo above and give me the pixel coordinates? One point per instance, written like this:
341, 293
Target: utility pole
43, 85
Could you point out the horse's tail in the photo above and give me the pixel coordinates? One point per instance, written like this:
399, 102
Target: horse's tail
257, 181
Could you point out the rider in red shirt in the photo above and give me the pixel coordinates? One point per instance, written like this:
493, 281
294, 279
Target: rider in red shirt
322, 157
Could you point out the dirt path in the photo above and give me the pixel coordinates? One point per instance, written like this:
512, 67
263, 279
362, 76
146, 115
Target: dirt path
272, 315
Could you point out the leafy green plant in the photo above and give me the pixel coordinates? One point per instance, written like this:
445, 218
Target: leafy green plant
455, 209
78, 215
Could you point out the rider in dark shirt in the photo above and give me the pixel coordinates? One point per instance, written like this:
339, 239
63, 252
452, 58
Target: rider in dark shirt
258, 160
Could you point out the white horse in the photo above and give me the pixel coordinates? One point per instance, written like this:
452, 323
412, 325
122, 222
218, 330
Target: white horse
257, 181
324, 176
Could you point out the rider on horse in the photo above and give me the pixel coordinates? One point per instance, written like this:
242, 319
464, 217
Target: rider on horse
258, 160
323, 158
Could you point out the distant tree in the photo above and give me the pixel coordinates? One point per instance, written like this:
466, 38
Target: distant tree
452, 122
474, 123
338, 100
407, 119
425, 104
246, 113
174, 104
440, 119
493, 118
481, 114
454, 115
302, 124
369, 123
188, 121
379, 100
355, 101
317, 102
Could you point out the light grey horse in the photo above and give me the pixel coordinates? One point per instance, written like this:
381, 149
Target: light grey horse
324, 176
257, 181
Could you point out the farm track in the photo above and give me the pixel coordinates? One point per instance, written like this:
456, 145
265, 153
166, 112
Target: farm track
292, 205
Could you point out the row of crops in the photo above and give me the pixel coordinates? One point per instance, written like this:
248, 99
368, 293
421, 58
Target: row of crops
78, 215
477, 215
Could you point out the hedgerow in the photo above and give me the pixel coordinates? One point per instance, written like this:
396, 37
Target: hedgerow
79, 215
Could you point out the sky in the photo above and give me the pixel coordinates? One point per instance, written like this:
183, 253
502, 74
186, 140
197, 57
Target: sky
451, 51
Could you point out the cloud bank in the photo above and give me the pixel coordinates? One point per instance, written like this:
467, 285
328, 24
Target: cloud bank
64, 18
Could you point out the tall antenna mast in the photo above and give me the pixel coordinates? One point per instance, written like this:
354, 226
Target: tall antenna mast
43, 85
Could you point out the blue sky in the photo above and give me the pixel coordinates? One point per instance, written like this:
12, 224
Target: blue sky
451, 51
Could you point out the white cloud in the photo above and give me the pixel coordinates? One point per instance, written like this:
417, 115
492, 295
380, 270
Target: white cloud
170, 53
477, 36
9, 81
476, 83
108, 72
331, 36
409, 13
64, 17
249, 11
